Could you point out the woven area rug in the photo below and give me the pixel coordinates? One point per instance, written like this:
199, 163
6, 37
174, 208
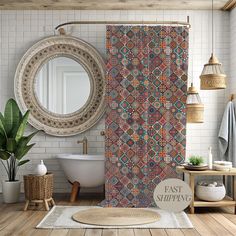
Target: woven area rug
114, 216
61, 217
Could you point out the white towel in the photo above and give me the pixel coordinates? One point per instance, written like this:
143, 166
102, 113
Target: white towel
227, 135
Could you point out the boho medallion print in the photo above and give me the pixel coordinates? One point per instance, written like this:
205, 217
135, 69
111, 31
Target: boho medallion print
146, 115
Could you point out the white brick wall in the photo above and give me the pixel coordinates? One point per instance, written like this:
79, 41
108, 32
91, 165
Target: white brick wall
21, 29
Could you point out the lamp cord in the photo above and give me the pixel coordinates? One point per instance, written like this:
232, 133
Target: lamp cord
212, 22
192, 57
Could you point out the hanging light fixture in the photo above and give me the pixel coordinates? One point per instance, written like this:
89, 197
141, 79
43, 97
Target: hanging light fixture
213, 76
195, 107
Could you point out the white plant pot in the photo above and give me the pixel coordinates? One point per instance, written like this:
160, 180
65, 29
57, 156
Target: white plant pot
11, 191
211, 194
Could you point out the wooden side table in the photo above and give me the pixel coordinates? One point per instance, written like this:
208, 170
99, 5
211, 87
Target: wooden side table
199, 203
39, 189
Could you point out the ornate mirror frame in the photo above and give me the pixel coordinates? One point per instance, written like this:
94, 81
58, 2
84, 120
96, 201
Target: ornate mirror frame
25, 78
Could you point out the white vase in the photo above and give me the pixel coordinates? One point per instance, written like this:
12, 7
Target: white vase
41, 169
11, 191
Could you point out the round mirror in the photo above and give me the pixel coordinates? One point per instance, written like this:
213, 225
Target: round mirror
61, 80
62, 85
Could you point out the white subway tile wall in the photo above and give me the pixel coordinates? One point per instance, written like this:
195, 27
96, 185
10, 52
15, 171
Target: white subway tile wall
21, 29
233, 52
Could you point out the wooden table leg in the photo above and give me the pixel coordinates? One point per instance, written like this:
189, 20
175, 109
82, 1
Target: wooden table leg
26, 205
53, 202
46, 204
231, 187
234, 192
224, 180
191, 184
74, 192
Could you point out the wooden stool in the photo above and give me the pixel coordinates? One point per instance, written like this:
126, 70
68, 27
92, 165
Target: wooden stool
39, 189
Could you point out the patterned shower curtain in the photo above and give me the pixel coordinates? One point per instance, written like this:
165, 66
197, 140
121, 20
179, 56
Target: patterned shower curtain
146, 116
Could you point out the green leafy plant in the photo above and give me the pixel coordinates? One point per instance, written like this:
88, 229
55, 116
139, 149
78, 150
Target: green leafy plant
13, 144
196, 160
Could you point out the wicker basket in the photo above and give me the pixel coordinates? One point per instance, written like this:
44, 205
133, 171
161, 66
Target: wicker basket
38, 187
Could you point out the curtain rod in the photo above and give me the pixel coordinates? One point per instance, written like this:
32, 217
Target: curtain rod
125, 23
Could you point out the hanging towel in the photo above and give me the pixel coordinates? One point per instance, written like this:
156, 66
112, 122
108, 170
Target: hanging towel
227, 135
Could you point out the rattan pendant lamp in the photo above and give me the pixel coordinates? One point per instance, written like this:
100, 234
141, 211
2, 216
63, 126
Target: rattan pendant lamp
195, 107
213, 76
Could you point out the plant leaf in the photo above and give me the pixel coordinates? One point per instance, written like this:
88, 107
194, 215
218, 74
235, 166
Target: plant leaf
2, 125
25, 139
21, 129
20, 163
4, 155
12, 116
2, 141
11, 144
22, 151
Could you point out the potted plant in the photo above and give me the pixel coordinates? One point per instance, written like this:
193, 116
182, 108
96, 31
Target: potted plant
13, 147
196, 160
195, 163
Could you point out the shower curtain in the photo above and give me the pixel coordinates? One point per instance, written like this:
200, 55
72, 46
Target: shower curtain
146, 115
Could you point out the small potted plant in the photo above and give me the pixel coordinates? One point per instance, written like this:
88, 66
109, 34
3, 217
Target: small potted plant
13, 147
195, 163
196, 160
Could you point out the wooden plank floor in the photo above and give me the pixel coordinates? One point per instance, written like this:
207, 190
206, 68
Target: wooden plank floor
207, 222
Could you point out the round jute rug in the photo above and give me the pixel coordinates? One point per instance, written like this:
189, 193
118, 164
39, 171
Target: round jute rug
116, 216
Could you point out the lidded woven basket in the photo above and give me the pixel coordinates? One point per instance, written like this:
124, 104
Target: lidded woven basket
38, 187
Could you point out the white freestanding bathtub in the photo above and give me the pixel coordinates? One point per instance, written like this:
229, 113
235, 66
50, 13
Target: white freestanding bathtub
87, 170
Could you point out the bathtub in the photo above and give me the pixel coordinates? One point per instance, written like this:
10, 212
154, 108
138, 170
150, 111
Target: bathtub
87, 170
